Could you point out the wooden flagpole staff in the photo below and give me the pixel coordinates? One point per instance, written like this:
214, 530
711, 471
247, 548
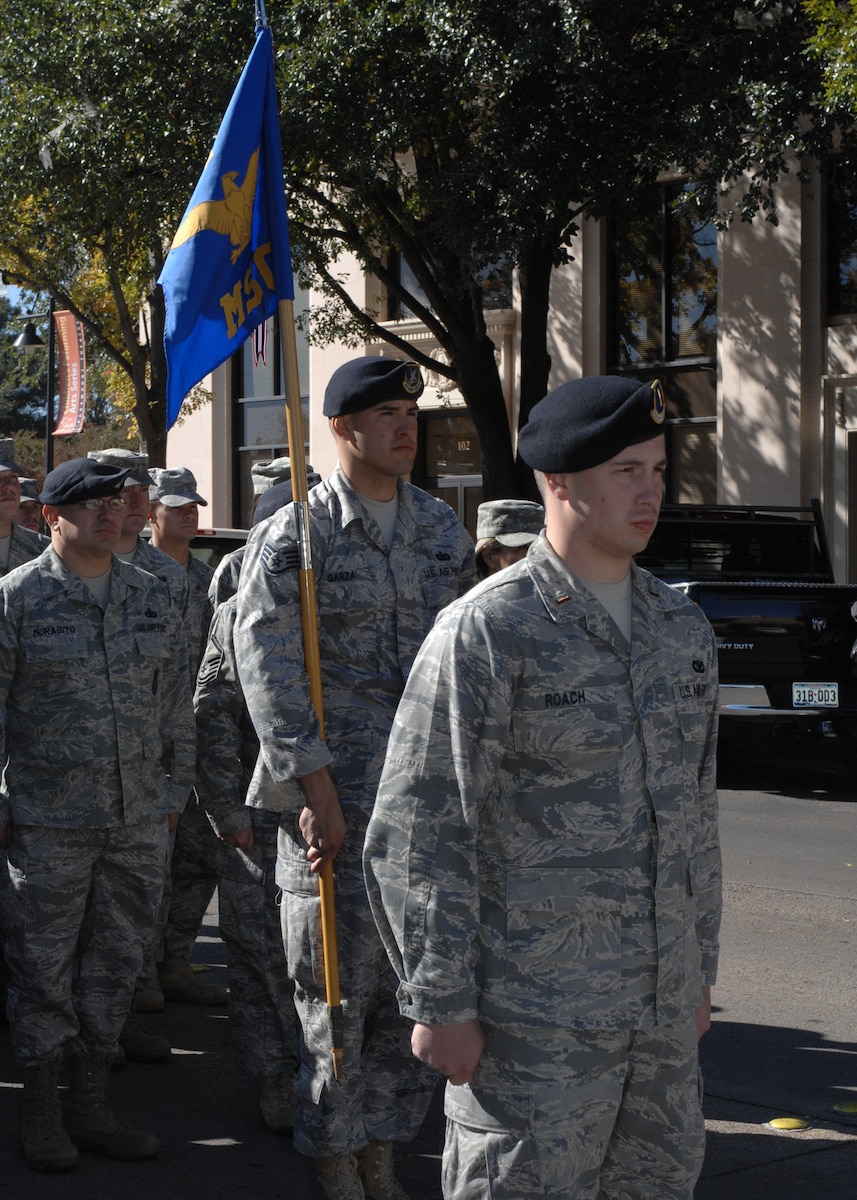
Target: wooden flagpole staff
312, 659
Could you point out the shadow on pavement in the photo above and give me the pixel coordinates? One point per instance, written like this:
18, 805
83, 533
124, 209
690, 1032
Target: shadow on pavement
757, 1073
215, 1146
786, 764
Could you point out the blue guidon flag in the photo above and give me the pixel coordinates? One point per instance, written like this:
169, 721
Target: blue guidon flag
230, 263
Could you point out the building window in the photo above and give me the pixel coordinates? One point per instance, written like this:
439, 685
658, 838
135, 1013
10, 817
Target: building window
663, 322
665, 280
841, 232
259, 427
496, 283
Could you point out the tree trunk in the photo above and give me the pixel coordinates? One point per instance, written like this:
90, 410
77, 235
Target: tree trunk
479, 381
151, 407
535, 269
534, 275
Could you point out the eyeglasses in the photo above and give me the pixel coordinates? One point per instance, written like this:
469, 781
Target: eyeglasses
114, 503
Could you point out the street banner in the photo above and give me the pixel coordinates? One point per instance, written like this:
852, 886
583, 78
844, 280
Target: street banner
72, 406
230, 263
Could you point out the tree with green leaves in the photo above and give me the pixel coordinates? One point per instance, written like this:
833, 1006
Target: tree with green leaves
23, 401
464, 138
457, 137
23, 383
107, 113
834, 42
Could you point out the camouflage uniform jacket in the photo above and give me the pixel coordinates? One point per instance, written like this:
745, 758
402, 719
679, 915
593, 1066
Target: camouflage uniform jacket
149, 558
374, 609
224, 581
544, 847
230, 772
98, 703
24, 546
198, 611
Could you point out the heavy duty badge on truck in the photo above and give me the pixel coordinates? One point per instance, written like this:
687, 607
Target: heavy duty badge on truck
786, 631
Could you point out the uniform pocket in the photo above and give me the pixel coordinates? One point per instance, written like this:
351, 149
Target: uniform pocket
300, 910
437, 593
564, 931
491, 1149
153, 652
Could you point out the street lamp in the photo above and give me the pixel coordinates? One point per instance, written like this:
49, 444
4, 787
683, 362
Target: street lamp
28, 341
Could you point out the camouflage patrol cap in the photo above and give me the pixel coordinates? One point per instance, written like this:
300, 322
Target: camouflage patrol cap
29, 490
173, 486
81, 479
137, 464
588, 421
362, 382
7, 456
510, 522
272, 501
278, 497
279, 470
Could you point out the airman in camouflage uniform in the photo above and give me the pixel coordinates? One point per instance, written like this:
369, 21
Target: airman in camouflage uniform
138, 1044
93, 677
18, 545
504, 530
244, 806
192, 878
132, 548
543, 859
29, 512
272, 489
387, 557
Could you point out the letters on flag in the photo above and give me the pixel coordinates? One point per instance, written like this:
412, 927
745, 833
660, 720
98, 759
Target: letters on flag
229, 263
72, 410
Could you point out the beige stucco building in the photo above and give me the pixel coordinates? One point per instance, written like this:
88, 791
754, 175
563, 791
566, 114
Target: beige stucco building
780, 369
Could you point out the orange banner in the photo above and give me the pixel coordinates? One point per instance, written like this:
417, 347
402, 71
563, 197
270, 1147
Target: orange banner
72, 408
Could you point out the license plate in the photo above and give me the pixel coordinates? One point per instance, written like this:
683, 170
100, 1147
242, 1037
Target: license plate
815, 695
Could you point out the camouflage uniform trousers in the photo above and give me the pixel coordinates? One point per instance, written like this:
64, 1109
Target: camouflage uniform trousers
384, 1092
81, 904
261, 996
193, 880
578, 1115
153, 948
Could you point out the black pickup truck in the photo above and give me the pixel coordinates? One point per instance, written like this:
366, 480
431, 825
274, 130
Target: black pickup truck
785, 631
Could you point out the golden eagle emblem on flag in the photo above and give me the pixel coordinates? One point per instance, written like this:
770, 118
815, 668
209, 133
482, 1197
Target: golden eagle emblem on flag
232, 216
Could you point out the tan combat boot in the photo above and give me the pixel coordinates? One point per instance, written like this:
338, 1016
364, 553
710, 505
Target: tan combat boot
179, 981
90, 1123
375, 1167
47, 1146
338, 1178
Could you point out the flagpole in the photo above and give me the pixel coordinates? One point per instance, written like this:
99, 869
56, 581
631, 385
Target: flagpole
204, 324
312, 657
309, 625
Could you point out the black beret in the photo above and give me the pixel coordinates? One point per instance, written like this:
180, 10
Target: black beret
588, 421
82, 479
362, 382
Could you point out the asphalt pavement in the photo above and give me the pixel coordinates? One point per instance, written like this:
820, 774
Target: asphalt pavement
789, 1057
